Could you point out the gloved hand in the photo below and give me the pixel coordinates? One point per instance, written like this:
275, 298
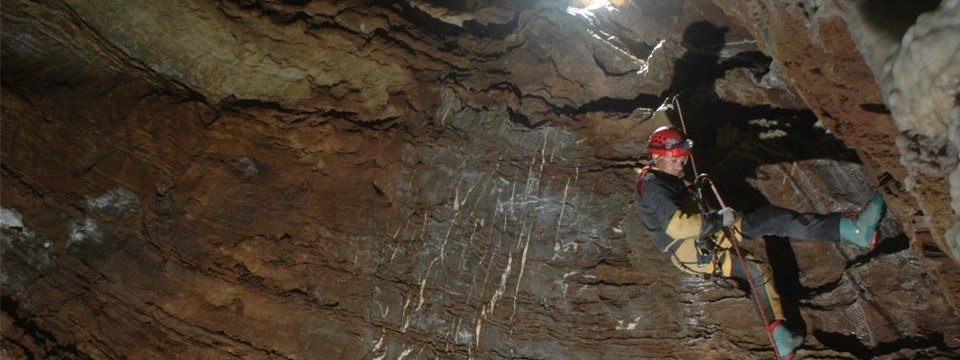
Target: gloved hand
727, 216
715, 220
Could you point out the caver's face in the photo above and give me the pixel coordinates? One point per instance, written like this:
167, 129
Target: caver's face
672, 165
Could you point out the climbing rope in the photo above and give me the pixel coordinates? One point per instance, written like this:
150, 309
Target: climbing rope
730, 233
676, 102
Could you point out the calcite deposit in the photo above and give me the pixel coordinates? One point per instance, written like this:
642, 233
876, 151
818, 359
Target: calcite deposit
427, 179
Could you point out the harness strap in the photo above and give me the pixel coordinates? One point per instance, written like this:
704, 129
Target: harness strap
643, 172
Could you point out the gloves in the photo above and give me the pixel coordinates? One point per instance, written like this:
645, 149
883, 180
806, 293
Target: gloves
716, 220
727, 216
712, 222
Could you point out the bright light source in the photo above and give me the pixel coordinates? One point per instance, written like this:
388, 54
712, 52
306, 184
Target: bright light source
587, 7
596, 4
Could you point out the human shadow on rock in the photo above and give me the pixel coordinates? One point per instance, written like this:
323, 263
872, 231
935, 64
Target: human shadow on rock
732, 140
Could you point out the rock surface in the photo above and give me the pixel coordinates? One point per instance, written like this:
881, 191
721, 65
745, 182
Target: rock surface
307, 179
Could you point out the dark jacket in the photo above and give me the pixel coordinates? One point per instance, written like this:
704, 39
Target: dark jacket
667, 209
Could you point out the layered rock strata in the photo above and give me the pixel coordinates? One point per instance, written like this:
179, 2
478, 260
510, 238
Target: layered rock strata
305, 179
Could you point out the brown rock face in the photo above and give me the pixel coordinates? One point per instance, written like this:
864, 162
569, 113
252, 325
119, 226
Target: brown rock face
380, 180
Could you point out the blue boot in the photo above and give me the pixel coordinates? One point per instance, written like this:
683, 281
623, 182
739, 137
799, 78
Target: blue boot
787, 341
862, 231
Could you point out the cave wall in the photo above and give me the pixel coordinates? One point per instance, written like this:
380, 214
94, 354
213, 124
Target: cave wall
273, 179
925, 111
877, 74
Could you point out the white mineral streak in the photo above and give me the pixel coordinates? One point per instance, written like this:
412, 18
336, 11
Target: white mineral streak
503, 284
623, 325
477, 224
519, 210
563, 205
408, 317
405, 353
764, 123
772, 134
406, 321
377, 346
479, 327
523, 264
493, 299
526, 246
543, 153
88, 229
10, 219
453, 221
119, 199
420, 301
565, 276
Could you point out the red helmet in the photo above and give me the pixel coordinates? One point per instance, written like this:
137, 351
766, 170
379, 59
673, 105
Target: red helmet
668, 141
